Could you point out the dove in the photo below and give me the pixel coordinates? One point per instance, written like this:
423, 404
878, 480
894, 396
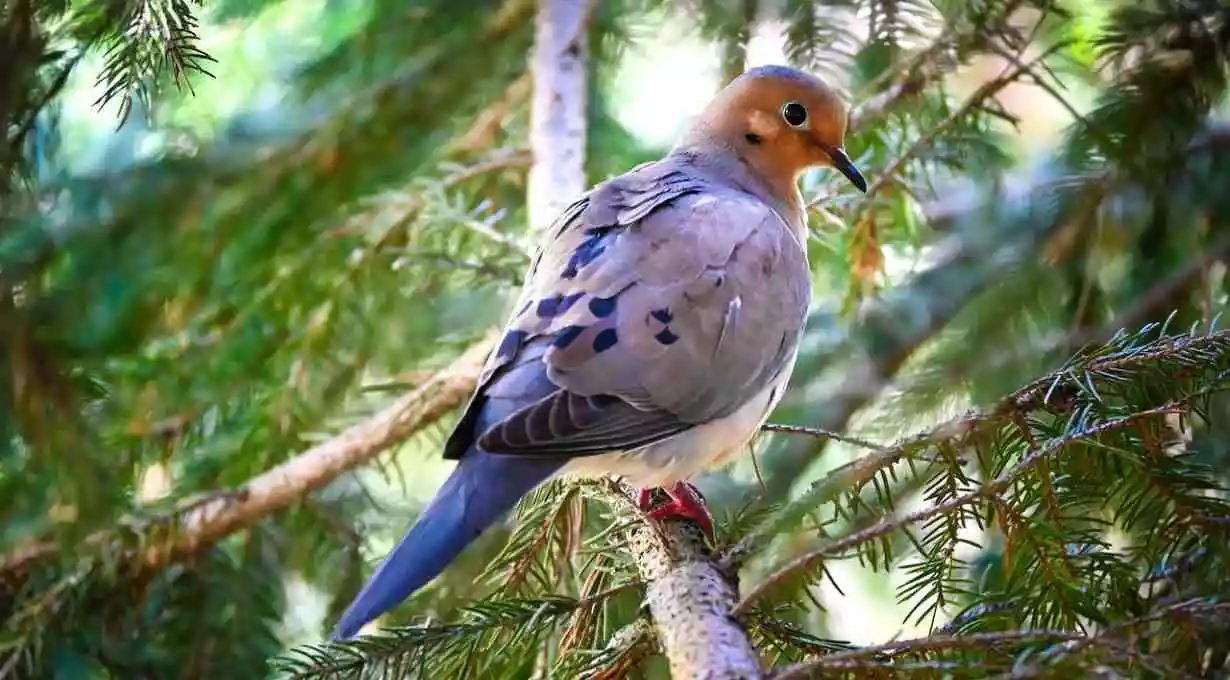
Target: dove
657, 327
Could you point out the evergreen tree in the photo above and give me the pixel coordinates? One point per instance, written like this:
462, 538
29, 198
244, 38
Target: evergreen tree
277, 311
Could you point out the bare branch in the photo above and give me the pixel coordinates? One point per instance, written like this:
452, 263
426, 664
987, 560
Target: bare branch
822, 434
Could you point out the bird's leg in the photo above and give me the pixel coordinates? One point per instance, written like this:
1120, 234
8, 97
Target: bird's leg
685, 501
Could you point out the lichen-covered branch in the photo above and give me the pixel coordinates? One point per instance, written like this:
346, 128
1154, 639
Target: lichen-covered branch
689, 596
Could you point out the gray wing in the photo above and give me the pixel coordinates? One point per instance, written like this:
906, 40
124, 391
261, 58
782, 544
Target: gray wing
661, 301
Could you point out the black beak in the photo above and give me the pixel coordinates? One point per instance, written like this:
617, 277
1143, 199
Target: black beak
841, 161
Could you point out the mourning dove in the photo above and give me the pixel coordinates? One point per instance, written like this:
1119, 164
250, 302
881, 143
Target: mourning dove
657, 328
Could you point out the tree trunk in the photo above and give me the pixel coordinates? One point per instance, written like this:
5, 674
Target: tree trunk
557, 110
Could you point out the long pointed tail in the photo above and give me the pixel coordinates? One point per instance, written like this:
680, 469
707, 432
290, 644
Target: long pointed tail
481, 489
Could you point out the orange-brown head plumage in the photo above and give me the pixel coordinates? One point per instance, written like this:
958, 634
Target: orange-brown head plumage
779, 121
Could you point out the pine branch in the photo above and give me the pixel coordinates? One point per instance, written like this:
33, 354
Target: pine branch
625, 650
889, 332
427, 650
884, 653
989, 236
974, 101
1075, 389
1053, 648
158, 37
835, 549
173, 335
199, 526
955, 44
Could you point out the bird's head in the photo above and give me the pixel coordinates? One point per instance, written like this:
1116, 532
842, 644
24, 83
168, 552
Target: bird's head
781, 121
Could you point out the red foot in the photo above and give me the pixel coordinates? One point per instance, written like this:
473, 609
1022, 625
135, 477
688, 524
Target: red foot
685, 502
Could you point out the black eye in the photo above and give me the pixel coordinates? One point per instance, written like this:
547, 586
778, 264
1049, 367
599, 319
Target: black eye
794, 113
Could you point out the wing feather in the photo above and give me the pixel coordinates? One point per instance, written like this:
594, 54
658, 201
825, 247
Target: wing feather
661, 300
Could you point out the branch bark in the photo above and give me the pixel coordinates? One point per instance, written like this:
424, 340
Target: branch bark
689, 595
691, 603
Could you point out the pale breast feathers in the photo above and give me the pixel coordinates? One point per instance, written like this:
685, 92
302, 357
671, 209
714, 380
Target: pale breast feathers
659, 302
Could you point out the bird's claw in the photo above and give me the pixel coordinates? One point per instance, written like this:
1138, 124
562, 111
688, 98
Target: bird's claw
686, 502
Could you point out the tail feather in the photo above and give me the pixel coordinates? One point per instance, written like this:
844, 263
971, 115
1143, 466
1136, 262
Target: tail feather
481, 489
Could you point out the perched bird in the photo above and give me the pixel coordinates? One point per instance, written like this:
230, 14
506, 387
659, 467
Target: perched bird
656, 330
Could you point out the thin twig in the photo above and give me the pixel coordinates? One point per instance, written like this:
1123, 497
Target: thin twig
825, 434
489, 120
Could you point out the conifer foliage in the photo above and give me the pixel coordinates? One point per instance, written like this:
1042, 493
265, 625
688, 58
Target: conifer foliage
216, 311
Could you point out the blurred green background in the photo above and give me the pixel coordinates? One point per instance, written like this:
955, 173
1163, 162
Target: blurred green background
200, 284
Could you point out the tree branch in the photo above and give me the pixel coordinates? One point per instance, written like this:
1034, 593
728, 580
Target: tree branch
689, 596
976, 100
929, 65
202, 524
1061, 644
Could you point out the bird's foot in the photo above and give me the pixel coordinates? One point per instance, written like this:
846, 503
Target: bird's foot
685, 501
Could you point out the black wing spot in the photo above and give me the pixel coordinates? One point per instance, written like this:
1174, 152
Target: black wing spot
557, 304
602, 307
547, 307
663, 315
605, 340
569, 301
567, 336
666, 337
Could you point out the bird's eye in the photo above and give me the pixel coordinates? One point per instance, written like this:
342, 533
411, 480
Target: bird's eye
795, 114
